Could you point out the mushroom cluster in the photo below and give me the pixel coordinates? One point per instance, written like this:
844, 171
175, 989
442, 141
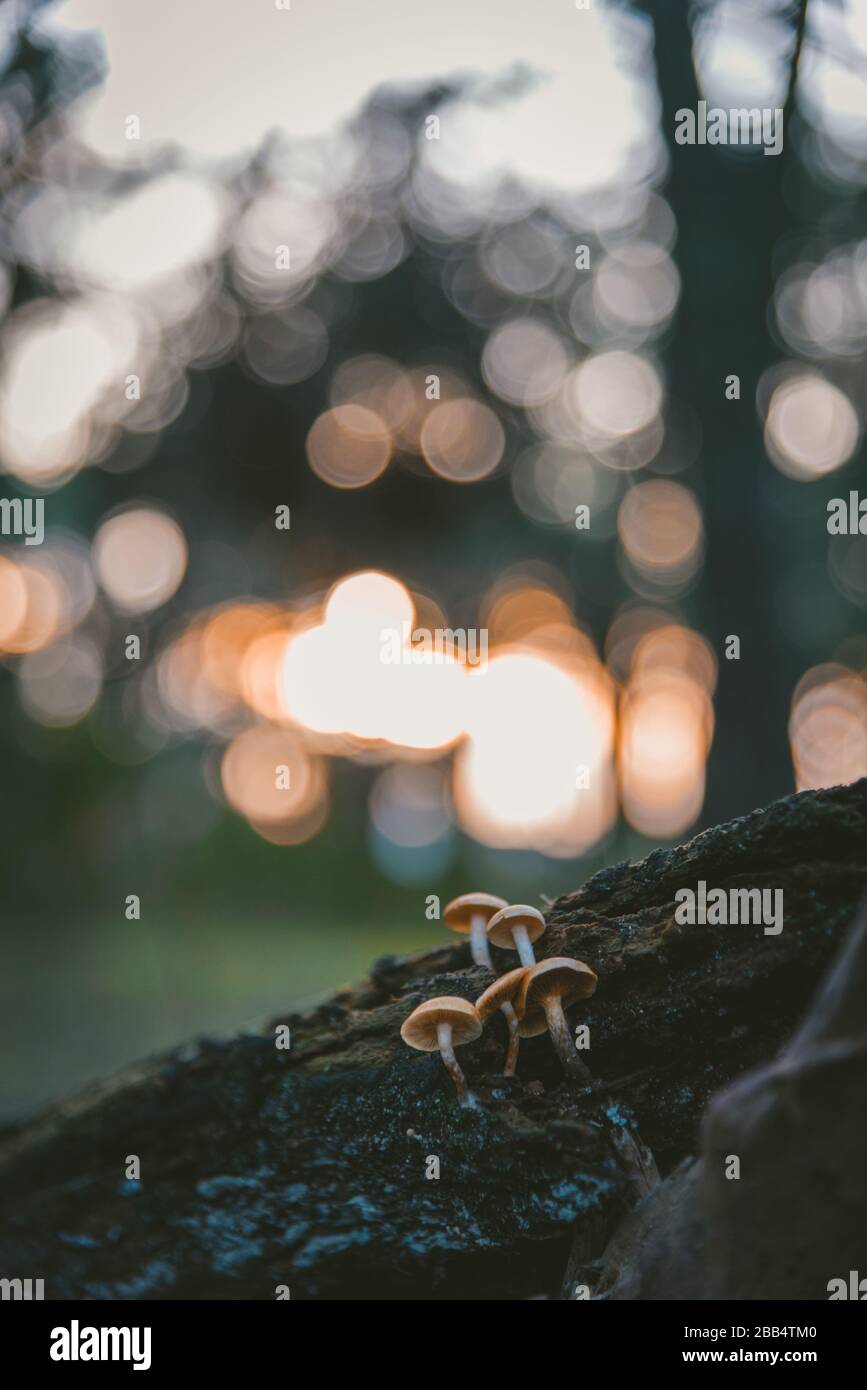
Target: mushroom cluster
532, 998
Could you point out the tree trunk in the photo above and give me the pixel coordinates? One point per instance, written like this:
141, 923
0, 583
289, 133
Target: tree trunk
307, 1168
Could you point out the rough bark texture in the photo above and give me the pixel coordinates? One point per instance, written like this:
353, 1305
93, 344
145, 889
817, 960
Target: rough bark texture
307, 1168
795, 1217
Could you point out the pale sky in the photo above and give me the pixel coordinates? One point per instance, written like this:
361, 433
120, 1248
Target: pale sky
215, 77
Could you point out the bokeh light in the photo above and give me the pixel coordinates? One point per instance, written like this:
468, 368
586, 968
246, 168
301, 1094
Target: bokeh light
140, 557
377, 383
666, 728
551, 789
409, 805
13, 601
61, 683
524, 362
355, 673
271, 780
636, 289
40, 620
551, 481
60, 363
142, 239
617, 393
661, 532
349, 446
462, 440
811, 427
828, 726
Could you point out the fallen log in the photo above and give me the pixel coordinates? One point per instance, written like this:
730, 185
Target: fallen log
309, 1170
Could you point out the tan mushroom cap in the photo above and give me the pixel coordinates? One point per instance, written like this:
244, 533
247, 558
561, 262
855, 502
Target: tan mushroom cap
460, 911
532, 1024
559, 975
502, 991
518, 915
420, 1029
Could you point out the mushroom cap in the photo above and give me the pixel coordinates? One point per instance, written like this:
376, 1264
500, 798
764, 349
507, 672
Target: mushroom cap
518, 915
502, 991
420, 1029
560, 976
532, 1024
460, 911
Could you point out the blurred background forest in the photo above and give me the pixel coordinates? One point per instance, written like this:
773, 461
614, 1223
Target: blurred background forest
327, 258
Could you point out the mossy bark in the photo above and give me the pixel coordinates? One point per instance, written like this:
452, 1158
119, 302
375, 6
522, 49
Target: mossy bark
307, 1167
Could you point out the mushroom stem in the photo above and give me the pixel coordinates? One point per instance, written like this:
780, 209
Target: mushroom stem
523, 945
450, 1061
514, 1039
563, 1042
479, 948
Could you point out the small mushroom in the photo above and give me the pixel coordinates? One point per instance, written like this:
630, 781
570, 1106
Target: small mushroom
515, 928
502, 995
470, 915
442, 1024
548, 989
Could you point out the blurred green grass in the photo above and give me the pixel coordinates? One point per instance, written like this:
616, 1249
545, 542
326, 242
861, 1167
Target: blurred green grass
78, 1005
